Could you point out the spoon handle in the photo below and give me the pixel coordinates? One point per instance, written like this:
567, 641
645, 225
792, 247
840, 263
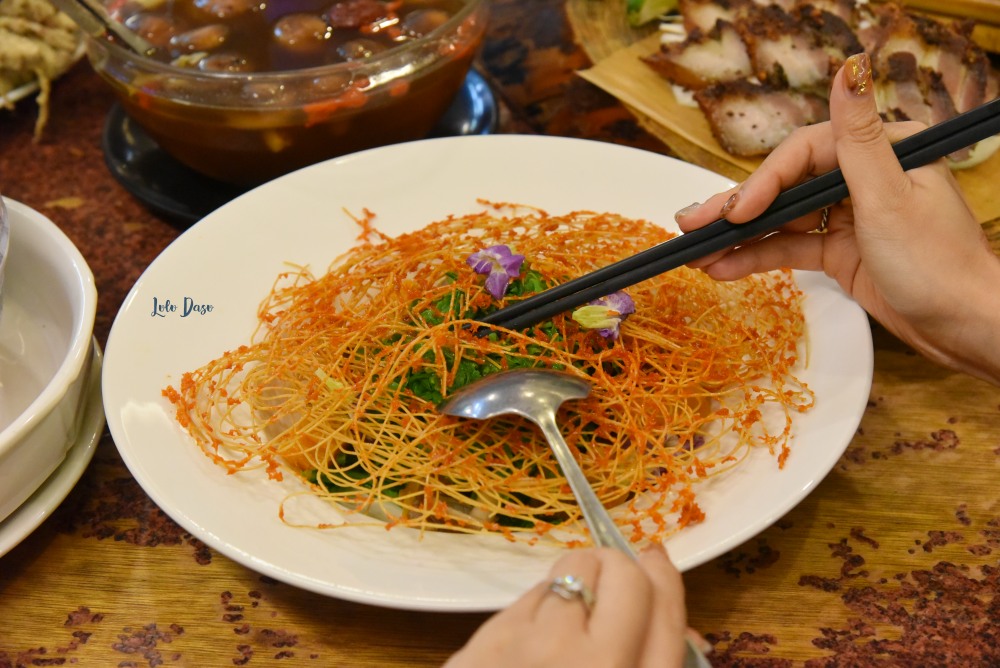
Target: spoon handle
603, 529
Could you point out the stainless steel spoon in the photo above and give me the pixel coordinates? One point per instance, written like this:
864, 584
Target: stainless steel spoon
536, 394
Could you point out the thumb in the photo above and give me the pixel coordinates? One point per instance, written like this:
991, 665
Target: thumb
874, 177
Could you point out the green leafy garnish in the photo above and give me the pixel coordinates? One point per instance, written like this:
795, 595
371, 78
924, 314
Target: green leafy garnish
641, 12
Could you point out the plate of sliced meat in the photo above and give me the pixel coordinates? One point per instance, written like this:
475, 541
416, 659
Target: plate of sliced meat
733, 78
756, 71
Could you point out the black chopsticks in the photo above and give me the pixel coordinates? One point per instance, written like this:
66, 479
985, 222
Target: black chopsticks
916, 150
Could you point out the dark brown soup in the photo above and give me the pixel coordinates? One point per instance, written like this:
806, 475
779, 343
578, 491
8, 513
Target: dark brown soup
262, 36
273, 86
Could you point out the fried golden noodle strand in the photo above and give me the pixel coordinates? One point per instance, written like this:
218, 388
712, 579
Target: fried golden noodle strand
340, 380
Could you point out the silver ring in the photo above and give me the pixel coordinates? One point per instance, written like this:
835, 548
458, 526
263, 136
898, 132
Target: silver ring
571, 587
824, 220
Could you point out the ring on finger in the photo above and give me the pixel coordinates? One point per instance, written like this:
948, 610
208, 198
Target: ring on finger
824, 220
570, 587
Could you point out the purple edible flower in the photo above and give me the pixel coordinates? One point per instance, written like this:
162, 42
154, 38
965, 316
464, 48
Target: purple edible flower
606, 314
499, 264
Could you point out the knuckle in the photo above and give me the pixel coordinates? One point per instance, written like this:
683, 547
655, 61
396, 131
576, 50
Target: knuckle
868, 132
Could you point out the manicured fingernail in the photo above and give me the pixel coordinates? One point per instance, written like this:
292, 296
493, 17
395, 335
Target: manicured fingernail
730, 203
858, 74
689, 209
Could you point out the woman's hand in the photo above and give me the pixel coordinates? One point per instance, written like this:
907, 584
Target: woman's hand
637, 619
905, 245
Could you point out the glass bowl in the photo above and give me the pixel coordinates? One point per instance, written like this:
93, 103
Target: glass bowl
249, 127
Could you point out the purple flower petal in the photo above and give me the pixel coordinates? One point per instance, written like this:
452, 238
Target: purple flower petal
500, 266
618, 301
510, 262
496, 283
480, 262
606, 313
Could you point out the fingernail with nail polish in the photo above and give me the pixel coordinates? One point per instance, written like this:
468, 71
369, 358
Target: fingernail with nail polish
730, 203
858, 74
689, 209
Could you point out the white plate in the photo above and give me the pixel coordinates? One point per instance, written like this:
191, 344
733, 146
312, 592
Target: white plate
230, 259
29, 515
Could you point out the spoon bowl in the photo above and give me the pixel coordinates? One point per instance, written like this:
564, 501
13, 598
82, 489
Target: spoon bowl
522, 392
536, 394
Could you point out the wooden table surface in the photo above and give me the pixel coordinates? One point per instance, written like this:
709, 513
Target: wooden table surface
892, 560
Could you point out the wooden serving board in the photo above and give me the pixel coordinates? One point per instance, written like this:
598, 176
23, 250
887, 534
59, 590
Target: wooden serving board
983, 11
615, 48
986, 13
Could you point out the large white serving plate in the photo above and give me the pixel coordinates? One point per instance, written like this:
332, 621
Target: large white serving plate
229, 260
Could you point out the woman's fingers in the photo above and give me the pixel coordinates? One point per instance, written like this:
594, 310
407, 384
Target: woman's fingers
607, 620
614, 614
574, 569
541, 628
635, 618
778, 251
864, 149
668, 616
817, 149
807, 153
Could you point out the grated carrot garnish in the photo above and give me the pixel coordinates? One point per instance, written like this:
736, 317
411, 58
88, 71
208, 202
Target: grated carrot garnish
328, 387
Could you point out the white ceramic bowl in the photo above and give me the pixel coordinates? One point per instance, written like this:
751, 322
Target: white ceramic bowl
46, 334
4, 243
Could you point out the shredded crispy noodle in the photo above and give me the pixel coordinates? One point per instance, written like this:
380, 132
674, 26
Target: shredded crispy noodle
342, 377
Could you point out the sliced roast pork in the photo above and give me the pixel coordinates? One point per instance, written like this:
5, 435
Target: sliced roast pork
751, 119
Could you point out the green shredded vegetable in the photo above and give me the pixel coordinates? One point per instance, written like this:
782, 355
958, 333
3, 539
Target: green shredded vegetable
641, 12
427, 385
